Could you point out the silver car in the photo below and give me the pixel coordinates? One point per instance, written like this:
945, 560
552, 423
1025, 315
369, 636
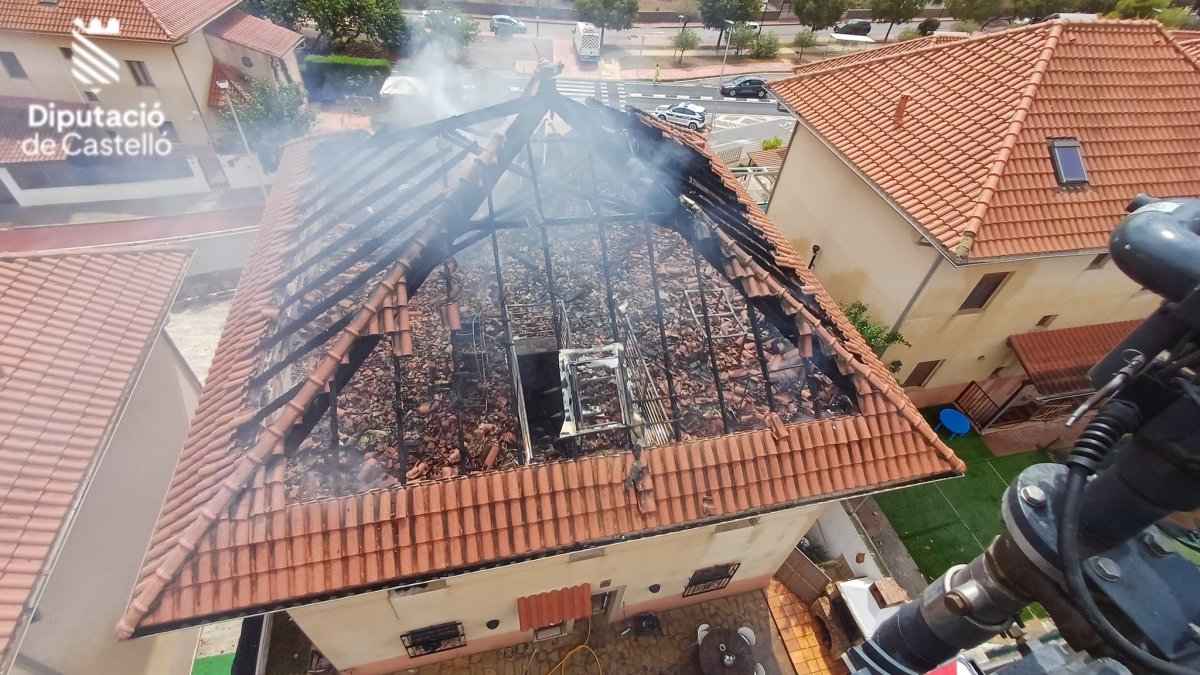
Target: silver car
506, 23
686, 114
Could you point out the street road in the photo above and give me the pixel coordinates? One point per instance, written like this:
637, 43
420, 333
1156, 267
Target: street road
647, 95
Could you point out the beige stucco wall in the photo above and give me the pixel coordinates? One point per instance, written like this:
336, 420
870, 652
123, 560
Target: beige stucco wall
819, 200
183, 99
89, 587
870, 252
1037, 287
364, 632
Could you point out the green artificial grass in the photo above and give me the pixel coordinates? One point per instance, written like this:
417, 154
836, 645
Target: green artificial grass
221, 664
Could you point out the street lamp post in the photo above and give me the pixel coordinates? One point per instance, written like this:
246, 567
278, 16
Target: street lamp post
223, 85
728, 35
762, 17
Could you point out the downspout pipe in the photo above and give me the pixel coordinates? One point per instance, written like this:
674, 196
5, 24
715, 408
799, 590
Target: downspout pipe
937, 261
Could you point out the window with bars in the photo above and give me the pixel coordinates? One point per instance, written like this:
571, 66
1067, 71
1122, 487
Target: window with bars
439, 638
710, 579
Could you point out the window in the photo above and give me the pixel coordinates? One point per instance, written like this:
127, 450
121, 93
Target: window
1098, 262
983, 291
439, 638
1067, 157
710, 579
141, 74
602, 602
12, 66
168, 131
91, 96
995, 373
1046, 320
550, 632
921, 373
67, 53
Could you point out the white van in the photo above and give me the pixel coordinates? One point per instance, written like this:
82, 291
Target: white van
587, 41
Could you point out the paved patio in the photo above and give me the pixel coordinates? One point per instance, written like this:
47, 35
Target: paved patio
788, 643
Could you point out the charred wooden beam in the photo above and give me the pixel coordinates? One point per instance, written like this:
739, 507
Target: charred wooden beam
511, 352
758, 351
662, 331
712, 352
297, 353
335, 440
401, 412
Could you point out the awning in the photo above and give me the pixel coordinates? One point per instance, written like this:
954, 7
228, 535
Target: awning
1057, 361
551, 607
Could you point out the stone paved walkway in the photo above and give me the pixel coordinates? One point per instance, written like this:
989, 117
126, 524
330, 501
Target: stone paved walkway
670, 654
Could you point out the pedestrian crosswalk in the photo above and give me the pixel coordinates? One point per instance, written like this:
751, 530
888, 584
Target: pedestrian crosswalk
607, 92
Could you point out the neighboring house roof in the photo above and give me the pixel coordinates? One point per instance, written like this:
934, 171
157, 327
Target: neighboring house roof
546, 609
968, 159
860, 55
1186, 37
15, 129
75, 330
236, 80
767, 158
254, 33
157, 20
1058, 360
354, 278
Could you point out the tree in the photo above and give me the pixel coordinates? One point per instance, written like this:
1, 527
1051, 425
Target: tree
451, 27
607, 14
391, 29
714, 13
909, 34
877, 336
974, 10
1037, 9
928, 26
966, 26
287, 13
1140, 9
895, 11
340, 22
772, 143
1097, 6
741, 37
805, 38
270, 116
819, 14
685, 40
765, 46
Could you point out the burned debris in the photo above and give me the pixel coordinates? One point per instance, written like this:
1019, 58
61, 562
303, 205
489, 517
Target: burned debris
575, 307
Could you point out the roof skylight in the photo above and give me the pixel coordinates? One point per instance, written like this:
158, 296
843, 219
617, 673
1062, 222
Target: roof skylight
1067, 156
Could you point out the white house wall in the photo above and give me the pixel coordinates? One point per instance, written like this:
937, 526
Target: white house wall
362, 633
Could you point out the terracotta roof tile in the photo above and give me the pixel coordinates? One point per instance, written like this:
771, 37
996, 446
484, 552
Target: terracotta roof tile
969, 160
767, 158
1058, 360
498, 516
56, 411
15, 129
255, 33
158, 20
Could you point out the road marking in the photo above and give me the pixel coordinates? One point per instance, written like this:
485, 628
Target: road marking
684, 97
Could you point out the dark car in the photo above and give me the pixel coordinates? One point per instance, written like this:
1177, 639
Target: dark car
507, 24
745, 85
853, 27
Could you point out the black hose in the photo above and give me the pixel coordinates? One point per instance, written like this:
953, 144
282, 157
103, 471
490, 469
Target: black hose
1077, 591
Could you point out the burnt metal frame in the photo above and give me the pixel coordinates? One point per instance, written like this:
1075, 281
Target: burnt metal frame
712, 352
550, 285
662, 330
768, 386
511, 351
724, 297
400, 411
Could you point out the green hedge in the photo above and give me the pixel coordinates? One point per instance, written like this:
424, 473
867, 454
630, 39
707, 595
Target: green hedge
330, 78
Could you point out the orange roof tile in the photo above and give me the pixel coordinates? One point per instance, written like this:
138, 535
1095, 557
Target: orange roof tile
862, 55
15, 129
257, 34
1058, 360
229, 540
767, 158
157, 20
969, 161
551, 607
75, 329
236, 79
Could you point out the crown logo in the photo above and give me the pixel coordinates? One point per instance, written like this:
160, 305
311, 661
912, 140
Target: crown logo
94, 27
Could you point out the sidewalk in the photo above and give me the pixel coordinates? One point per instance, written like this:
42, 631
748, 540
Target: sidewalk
15, 217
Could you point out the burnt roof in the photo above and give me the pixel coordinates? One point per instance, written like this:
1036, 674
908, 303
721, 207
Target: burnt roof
450, 348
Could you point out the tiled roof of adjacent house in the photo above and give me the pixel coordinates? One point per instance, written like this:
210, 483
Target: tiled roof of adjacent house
75, 329
1058, 360
15, 130
767, 158
157, 20
375, 281
860, 55
957, 134
255, 33
1186, 37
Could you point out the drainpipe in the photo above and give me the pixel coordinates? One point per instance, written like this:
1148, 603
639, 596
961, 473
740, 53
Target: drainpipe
937, 260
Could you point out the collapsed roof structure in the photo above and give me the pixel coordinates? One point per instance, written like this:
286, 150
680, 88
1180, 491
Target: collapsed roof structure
533, 328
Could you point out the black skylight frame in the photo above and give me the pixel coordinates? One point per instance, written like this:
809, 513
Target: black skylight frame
1067, 156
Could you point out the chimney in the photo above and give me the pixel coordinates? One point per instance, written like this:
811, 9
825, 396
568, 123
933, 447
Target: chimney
898, 116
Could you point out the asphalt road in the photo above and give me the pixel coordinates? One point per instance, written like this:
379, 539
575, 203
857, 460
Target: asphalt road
647, 95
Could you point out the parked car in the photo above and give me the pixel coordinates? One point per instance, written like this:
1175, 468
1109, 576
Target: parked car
506, 23
745, 85
853, 27
686, 114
